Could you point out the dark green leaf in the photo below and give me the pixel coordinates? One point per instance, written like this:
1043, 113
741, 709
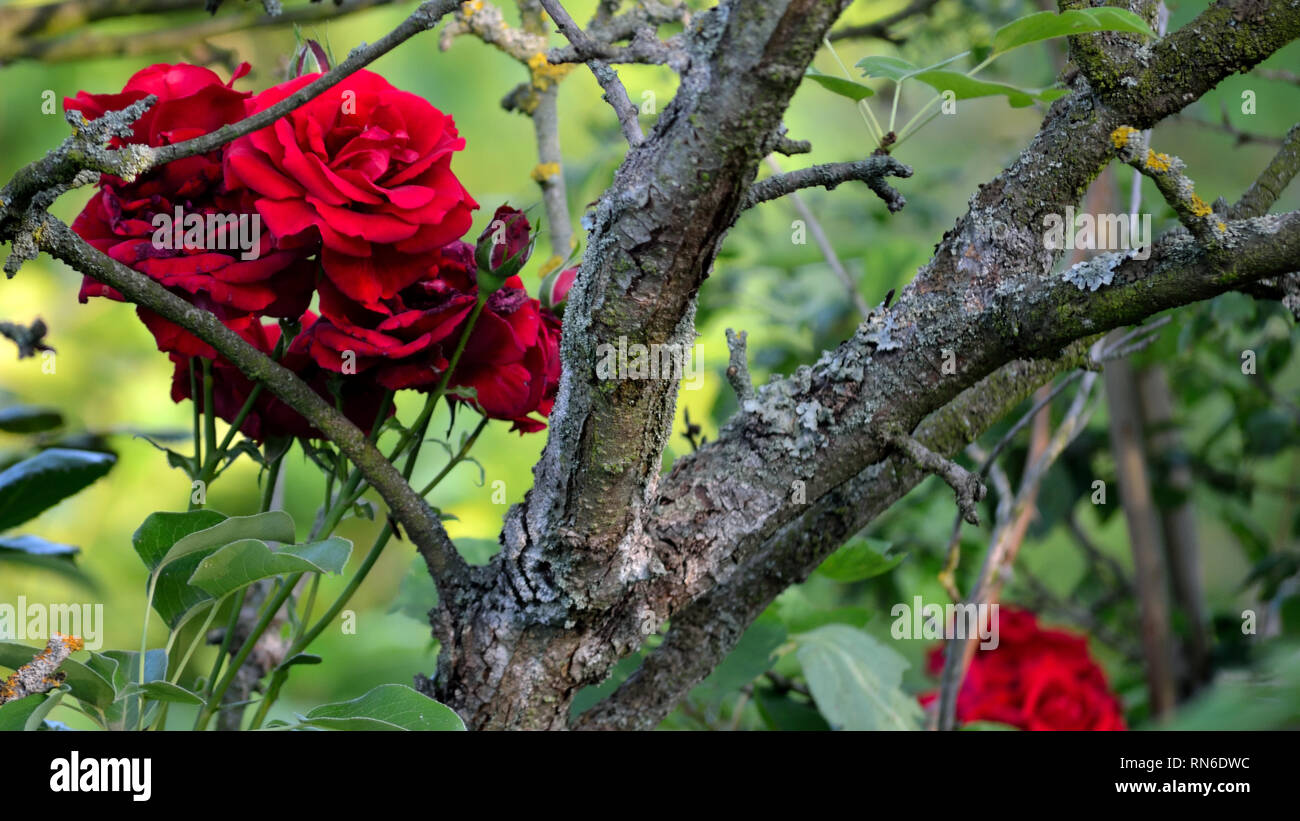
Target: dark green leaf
839, 85
861, 559
241, 563
1045, 25
42, 481
27, 419
387, 707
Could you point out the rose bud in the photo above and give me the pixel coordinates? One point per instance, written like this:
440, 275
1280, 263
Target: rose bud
503, 248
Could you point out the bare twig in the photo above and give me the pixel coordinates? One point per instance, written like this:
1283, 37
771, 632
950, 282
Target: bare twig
873, 171
738, 367
41, 674
615, 93
968, 487
880, 29
825, 246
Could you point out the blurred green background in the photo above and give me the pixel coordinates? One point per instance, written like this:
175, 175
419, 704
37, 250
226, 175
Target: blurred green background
111, 380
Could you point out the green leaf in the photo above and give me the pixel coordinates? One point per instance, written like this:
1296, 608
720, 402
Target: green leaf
861, 559
780, 711
172, 595
85, 683
1045, 25
838, 85
124, 668
856, 680
751, 657
173, 544
417, 593
967, 88
272, 526
28, 712
893, 68
387, 707
33, 551
27, 419
241, 563
31, 486
161, 691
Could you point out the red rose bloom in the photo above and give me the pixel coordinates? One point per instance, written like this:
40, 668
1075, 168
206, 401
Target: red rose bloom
365, 169
402, 341
270, 416
1035, 679
511, 359
120, 218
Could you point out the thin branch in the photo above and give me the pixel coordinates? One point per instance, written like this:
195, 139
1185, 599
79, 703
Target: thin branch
17, 42
738, 366
615, 93
880, 29
408, 507
41, 674
968, 487
872, 171
825, 246
1166, 171
1272, 181
84, 150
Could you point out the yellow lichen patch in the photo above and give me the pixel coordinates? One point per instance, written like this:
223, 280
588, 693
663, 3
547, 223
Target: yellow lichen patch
550, 265
1221, 226
1199, 208
1158, 162
1122, 135
545, 73
74, 643
470, 6
545, 171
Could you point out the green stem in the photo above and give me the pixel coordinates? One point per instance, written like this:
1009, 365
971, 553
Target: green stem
457, 459
209, 411
198, 638
239, 421
224, 650
272, 476
904, 131
198, 438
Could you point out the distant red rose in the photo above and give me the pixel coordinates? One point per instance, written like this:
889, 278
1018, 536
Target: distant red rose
125, 220
270, 416
365, 170
1035, 679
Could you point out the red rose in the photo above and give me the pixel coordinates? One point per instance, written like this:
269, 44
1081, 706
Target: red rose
511, 359
365, 169
403, 341
234, 269
1035, 679
270, 416
507, 236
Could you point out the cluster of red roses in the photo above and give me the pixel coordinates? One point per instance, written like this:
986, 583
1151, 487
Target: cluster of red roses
361, 208
1035, 679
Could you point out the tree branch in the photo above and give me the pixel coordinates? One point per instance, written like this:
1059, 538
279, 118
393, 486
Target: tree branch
872, 171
